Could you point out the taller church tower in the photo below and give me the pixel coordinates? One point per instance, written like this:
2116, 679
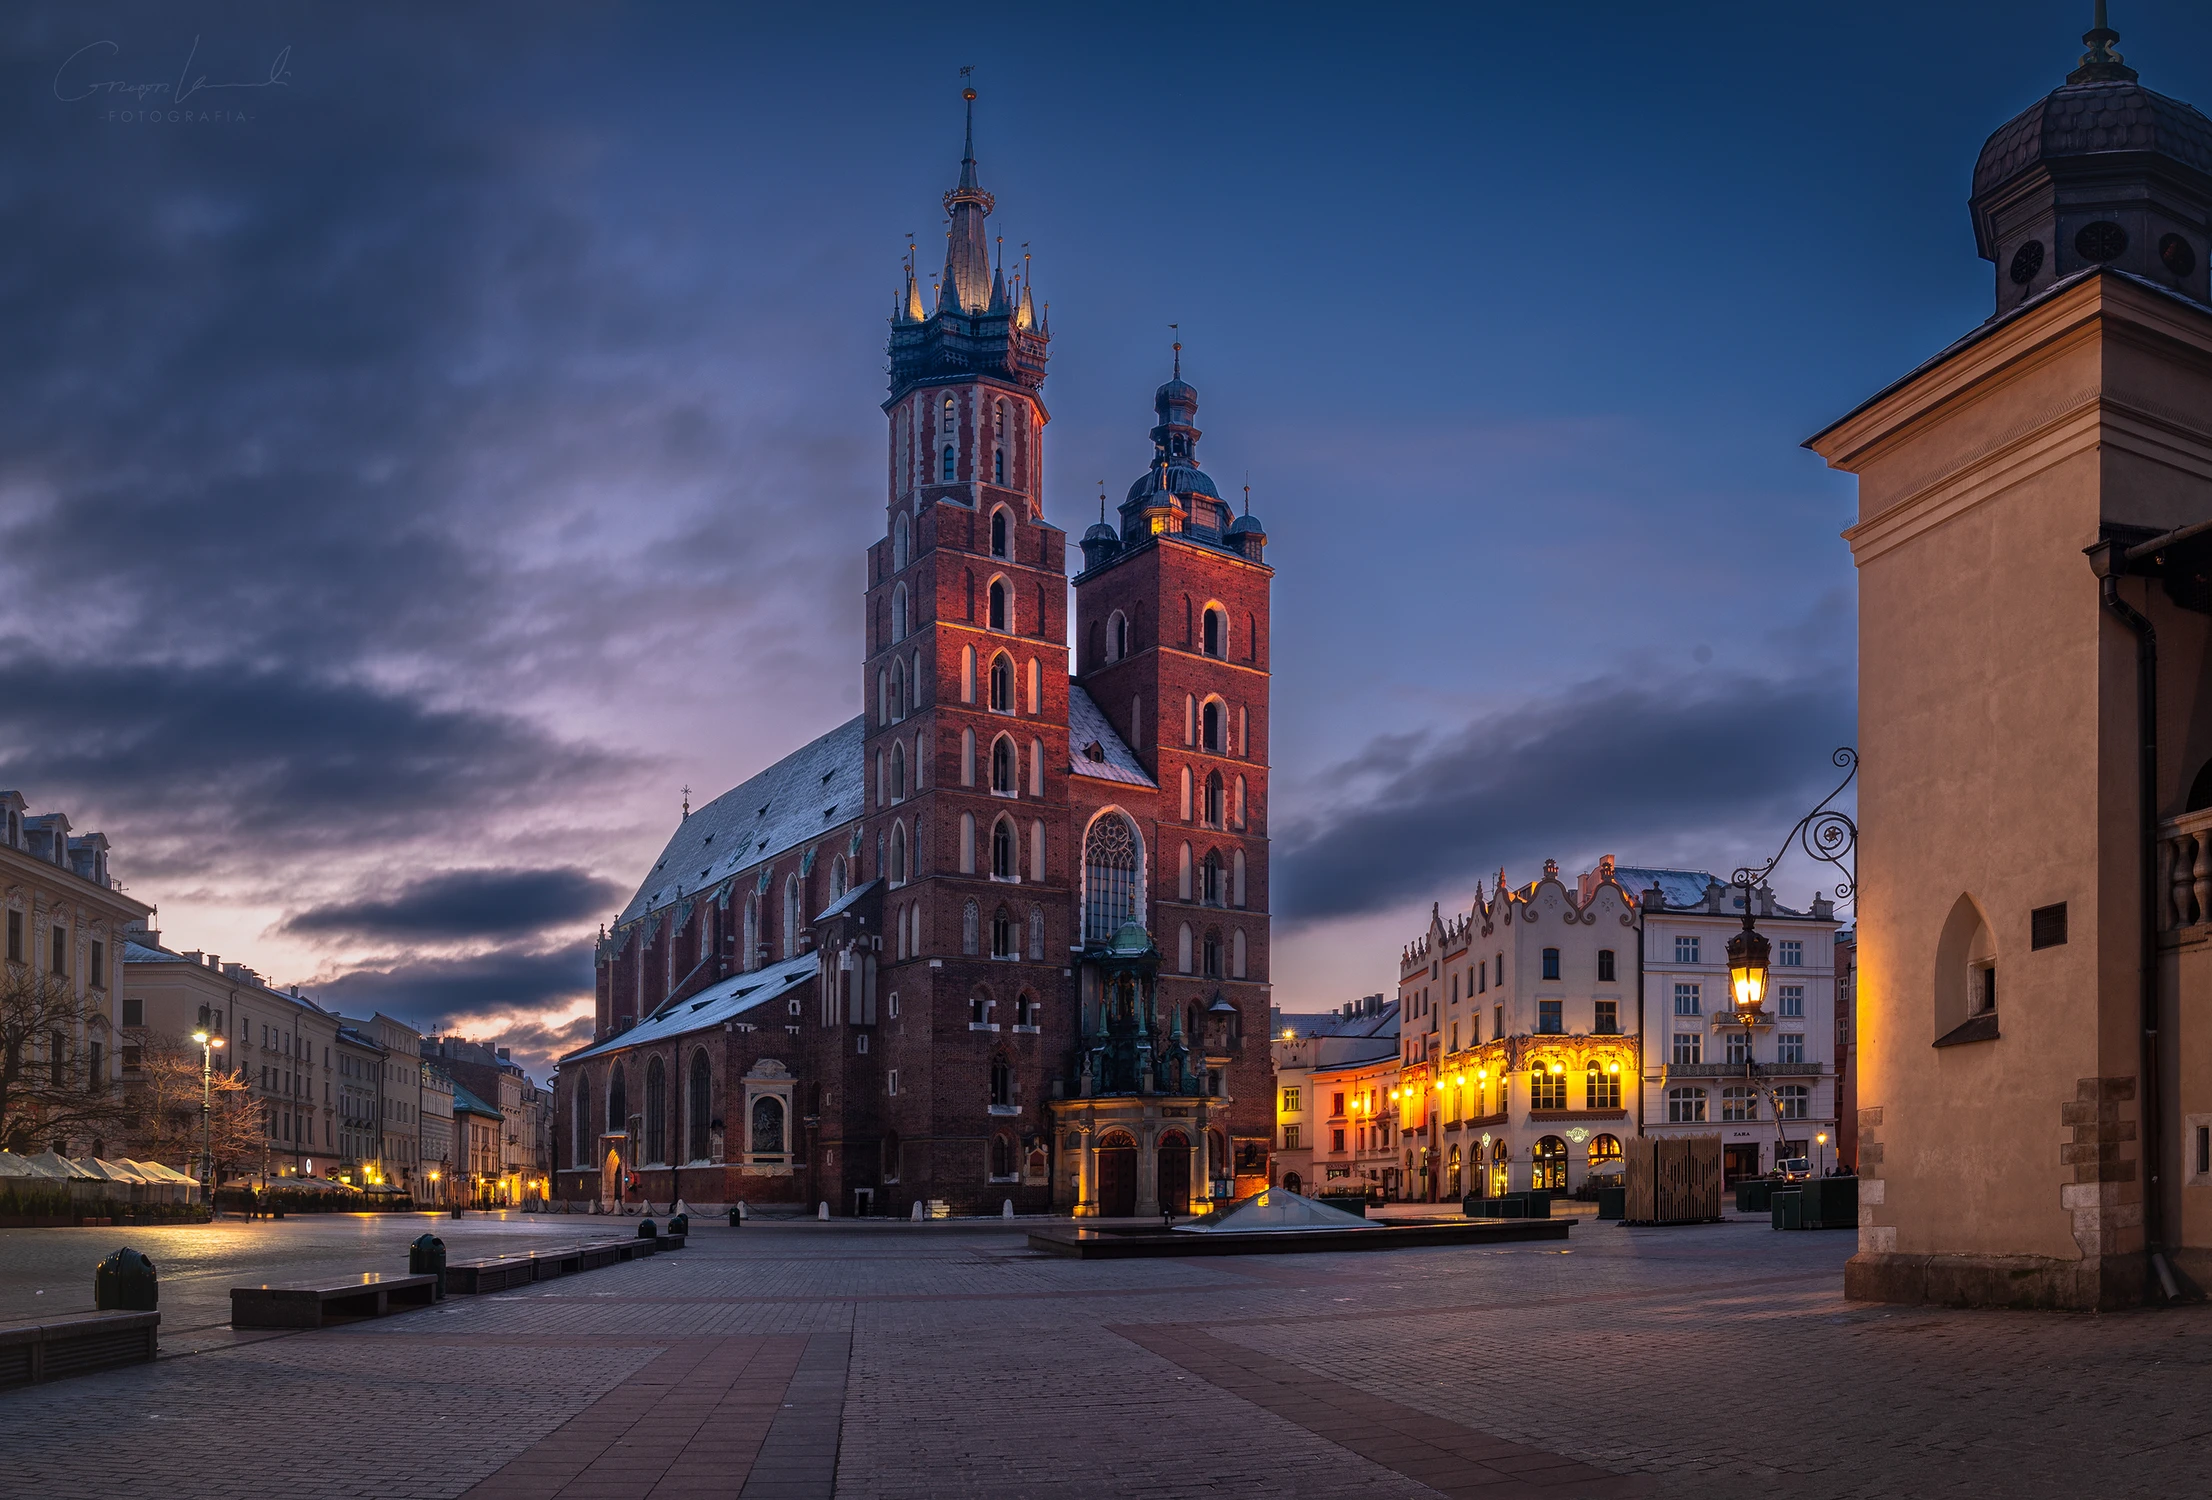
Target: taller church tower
965, 687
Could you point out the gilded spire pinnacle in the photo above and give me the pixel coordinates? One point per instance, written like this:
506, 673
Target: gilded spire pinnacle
2100, 64
967, 255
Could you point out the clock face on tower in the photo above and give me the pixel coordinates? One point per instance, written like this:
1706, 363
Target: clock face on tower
2178, 256
2026, 261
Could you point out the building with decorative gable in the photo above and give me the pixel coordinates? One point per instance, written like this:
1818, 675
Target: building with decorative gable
1004, 936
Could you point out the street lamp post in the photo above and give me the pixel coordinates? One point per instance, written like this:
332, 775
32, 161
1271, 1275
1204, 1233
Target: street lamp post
210, 1038
1825, 833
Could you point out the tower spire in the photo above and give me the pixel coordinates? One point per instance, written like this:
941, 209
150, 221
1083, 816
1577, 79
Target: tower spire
2100, 64
967, 248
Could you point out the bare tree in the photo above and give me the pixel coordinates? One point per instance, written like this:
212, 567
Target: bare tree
50, 1089
165, 1102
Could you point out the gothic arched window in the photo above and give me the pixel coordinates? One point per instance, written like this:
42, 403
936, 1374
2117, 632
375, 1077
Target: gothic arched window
656, 1112
971, 920
767, 1126
1005, 773
1000, 541
794, 916
900, 541
1209, 890
898, 771
1002, 1156
702, 1107
1212, 953
1004, 856
1209, 721
898, 854
948, 473
898, 691
618, 1099
1036, 934
1213, 798
1109, 878
1215, 634
1002, 1083
1004, 941
750, 958
1002, 683
898, 611
1002, 606
585, 1136
838, 878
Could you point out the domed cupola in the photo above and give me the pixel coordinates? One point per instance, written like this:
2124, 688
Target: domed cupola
2101, 172
1174, 494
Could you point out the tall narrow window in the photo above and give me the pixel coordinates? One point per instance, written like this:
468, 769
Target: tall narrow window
948, 466
656, 1112
1036, 768
898, 854
1215, 633
1214, 799
1210, 723
1002, 684
967, 757
898, 613
1001, 605
1002, 850
1036, 687
998, 533
1109, 877
899, 542
1003, 772
702, 1108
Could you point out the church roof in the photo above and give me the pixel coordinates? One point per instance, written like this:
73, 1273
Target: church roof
2088, 119
1088, 726
710, 1007
812, 790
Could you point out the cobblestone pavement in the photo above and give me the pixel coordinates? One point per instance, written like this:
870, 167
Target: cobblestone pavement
904, 1361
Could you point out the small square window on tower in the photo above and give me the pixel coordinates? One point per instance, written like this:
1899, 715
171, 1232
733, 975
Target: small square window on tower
2047, 926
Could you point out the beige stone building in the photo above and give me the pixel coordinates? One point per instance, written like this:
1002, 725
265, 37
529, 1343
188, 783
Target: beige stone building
1336, 1073
2034, 965
283, 1045
65, 916
441, 1153
400, 1085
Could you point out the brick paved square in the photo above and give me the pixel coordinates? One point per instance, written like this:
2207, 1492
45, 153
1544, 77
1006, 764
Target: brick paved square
910, 1361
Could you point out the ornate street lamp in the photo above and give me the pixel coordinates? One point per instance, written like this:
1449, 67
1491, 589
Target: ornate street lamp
1825, 833
210, 1038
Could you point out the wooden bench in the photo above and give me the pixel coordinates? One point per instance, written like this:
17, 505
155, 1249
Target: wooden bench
604, 1253
312, 1304
565, 1260
78, 1345
495, 1274
669, 1242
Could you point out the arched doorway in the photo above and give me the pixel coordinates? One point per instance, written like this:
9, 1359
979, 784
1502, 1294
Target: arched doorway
1174, 1173
1551, 1165
1501, 1169
1117, 1176
1292, 1183
1455, 1169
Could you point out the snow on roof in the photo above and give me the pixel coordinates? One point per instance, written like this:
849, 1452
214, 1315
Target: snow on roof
814, 789
844, 903
1686, 888
1383, 1022
1088, 726
712, 1006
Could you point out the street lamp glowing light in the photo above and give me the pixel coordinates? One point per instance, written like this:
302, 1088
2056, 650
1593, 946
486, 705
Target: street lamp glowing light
1747, 967
1615, 1070
200, 1037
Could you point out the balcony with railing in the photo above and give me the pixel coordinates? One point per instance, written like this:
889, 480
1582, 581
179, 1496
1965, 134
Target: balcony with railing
2185, 875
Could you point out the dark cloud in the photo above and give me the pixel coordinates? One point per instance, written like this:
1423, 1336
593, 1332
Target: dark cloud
1616, 764
438, 993
212, 760
483, 904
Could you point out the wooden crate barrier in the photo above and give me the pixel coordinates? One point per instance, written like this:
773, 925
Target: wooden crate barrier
1674, 1179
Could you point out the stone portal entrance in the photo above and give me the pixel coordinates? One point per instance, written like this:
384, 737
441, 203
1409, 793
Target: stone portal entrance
1117, 1177
1174, 1173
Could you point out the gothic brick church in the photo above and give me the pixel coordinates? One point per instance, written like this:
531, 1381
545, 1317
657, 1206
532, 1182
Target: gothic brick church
1004, 936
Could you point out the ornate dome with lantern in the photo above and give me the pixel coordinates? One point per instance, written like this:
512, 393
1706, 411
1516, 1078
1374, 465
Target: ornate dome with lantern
2100, 174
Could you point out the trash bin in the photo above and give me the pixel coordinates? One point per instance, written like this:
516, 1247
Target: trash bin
1787, 1210
679, 1223
125, 1282
648, 1230
736, 1218
1612, 1203
426, 1257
